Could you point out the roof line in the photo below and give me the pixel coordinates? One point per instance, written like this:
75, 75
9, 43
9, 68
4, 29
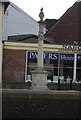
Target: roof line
22, 11
60, 19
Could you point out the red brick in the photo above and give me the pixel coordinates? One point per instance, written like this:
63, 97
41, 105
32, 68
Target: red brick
14, 65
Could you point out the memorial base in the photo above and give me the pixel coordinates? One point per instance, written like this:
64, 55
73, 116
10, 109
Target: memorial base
39, 79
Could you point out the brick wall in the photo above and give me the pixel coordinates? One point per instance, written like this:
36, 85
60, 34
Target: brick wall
14, 65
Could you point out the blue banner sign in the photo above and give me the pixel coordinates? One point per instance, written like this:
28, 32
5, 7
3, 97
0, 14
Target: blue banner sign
54, 56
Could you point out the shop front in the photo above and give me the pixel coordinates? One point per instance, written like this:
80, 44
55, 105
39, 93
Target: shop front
60, 65
19, 59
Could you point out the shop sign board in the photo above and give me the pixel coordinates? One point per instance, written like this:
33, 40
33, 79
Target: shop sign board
54, 56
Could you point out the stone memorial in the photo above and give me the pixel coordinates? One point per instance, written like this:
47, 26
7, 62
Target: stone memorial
39, 76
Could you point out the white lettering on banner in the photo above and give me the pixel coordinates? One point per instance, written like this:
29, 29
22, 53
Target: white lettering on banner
32, 55
53, 56
79, 57
45, 55
70, 48
64, 57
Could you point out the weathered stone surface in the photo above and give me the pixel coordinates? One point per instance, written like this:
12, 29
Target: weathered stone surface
46, 104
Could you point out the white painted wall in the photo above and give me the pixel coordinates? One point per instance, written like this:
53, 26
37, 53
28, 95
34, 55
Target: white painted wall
1, 46
1, 49
17, 22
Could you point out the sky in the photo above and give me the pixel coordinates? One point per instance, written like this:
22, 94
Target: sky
53, 9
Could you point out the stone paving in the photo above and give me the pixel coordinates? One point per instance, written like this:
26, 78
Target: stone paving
23, 103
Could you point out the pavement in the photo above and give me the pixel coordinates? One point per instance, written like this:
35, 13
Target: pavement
56, 94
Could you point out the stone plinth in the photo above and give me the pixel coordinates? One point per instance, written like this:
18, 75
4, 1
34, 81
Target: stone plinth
39, 79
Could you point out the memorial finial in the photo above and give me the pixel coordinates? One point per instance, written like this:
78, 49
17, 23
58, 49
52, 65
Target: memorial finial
41, 14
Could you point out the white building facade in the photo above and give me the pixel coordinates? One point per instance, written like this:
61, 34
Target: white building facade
17, 22
14, 21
